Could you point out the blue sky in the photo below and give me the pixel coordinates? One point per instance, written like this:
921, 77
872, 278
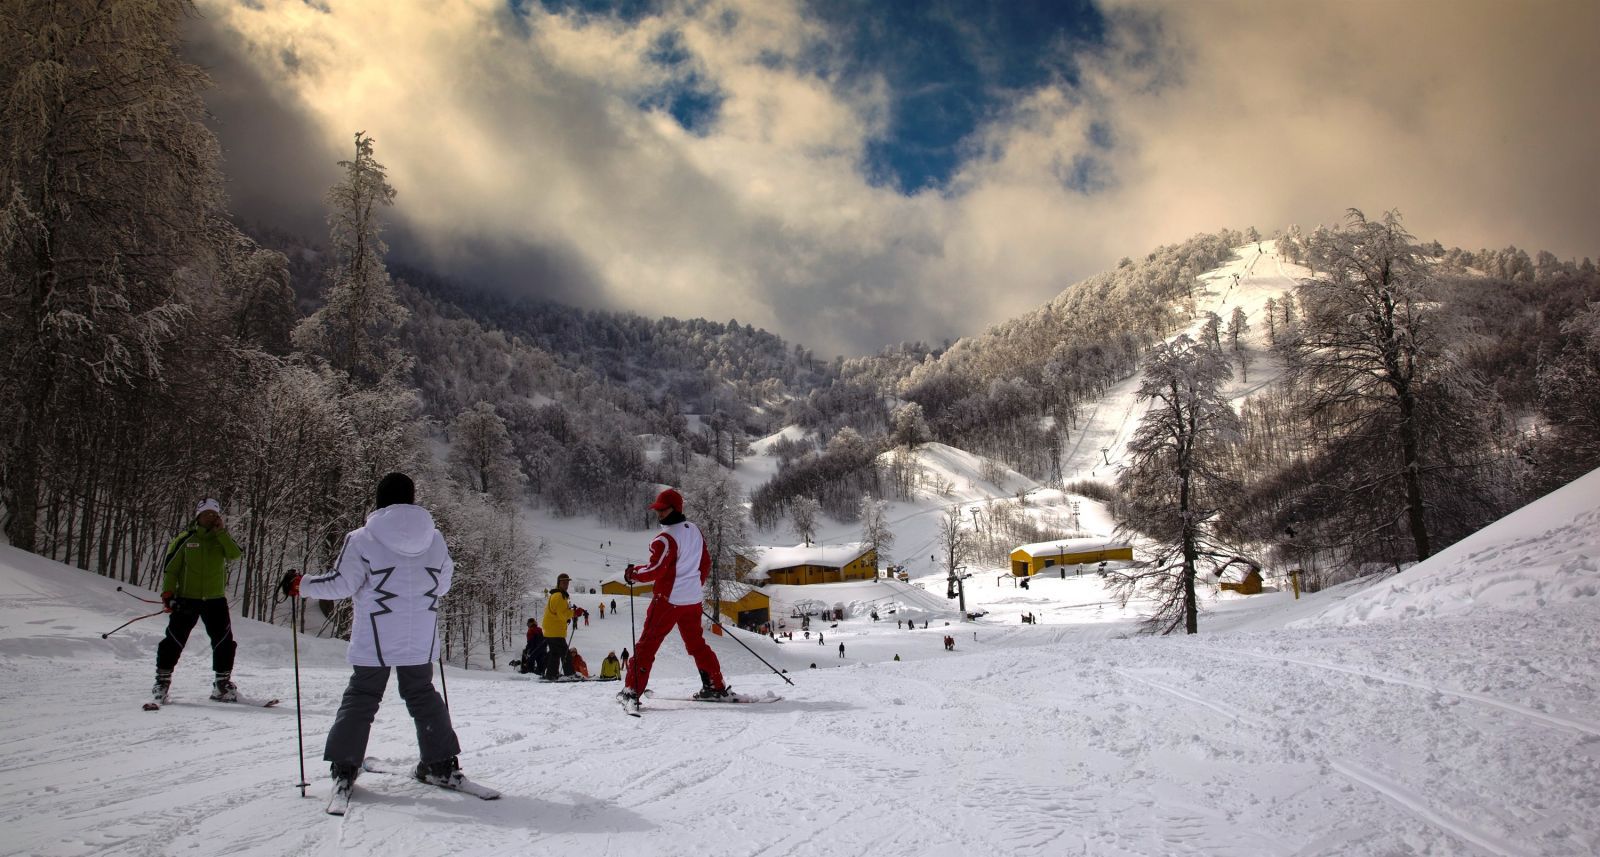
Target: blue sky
851, 174
950, 65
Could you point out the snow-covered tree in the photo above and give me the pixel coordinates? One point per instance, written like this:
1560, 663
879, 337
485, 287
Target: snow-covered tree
1175, 478
1239, 326
481, 454
875, 530
955, 541
910, 426
714, 501
355, 331
110, 190
1211, 331
803, 512
1569, 396
1370, 346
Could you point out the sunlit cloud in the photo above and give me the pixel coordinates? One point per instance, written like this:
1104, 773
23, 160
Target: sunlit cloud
737, 158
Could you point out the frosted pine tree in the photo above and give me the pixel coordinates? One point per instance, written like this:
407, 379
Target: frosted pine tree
356, 330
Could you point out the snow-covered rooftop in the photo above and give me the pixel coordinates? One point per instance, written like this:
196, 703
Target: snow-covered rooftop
829, 556
1080, 545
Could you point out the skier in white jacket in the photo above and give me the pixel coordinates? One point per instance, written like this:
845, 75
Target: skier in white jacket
396, 568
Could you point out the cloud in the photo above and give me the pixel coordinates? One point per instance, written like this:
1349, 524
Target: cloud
710, 159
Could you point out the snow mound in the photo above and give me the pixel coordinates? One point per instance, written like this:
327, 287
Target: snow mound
1544, 554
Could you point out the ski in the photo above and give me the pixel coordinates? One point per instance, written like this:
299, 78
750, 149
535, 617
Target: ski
730, 699
630, 704
339, 801
153, 705
463, 785
249, 702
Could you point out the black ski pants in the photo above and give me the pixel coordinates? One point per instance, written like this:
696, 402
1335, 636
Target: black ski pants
347, 741
556, 663
219, 627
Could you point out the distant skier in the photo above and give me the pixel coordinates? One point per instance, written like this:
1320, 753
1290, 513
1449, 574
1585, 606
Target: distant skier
194, 588
602, 610
841, 650
557, 617
679, 566
396, 568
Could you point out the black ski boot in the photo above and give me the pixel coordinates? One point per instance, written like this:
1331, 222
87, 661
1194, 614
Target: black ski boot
223, 689
713, 693
445, 773
344, 776
160, 694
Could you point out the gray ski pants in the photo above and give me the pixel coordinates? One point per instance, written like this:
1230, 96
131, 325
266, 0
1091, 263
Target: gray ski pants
347, 741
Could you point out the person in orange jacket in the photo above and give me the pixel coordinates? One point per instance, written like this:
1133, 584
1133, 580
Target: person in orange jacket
578, 665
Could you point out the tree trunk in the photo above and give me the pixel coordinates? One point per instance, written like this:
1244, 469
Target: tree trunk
1412, 472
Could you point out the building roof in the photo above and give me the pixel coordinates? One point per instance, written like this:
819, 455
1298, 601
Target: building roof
1065, 546
733, 590
826, 556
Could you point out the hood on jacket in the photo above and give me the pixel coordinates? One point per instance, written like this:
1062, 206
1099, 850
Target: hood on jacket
405, 529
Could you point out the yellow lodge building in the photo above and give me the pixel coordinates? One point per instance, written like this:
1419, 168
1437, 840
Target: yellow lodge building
1031, 559
802, 564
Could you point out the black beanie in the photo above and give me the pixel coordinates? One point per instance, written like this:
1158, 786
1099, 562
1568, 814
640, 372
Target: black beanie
394, 489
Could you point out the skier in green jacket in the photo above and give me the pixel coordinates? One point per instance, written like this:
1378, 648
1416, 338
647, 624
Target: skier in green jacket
194, 589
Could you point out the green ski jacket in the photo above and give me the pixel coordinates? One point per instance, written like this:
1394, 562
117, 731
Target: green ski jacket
197, 563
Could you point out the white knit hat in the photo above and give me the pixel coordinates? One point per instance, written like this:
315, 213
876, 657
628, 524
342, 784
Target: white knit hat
207, 505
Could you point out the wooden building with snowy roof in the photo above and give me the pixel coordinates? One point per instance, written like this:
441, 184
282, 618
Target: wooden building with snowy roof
1029, 560
803, 565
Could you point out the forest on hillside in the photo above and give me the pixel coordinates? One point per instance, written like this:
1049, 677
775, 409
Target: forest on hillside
155, 352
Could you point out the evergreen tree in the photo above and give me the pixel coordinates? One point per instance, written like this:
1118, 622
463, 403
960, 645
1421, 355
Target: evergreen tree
356, 329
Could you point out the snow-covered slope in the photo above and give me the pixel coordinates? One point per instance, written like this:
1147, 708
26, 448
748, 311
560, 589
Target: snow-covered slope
1256, 275
1542, 555
1469, 735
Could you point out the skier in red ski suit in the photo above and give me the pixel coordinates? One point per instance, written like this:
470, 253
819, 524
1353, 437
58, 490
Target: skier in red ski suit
678, 568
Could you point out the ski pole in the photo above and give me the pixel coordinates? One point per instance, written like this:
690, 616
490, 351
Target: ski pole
131, 621
137, 598
633, 634
443, 685
299, 726
781, 675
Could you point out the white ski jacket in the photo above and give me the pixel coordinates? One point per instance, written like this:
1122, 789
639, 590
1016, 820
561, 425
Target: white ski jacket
396, 568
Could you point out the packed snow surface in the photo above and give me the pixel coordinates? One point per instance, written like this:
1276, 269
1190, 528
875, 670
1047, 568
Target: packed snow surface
1473, 734
1395, 718
1541, 555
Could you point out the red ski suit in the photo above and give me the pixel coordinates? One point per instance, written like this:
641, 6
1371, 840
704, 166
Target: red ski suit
678, 568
